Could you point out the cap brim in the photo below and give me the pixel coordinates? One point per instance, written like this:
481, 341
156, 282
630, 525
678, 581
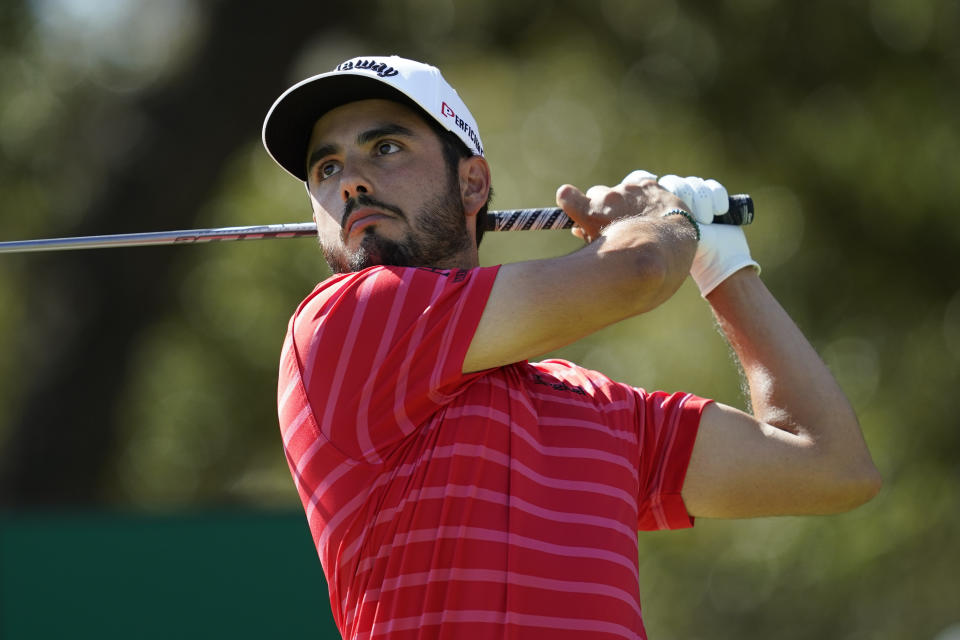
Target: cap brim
289, 124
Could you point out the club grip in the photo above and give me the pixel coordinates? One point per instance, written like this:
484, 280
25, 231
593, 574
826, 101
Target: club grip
740, 212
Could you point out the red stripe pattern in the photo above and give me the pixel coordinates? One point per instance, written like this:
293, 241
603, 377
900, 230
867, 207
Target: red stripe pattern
497, 504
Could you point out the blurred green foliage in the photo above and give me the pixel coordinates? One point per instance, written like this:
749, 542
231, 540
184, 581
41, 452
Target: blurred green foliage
841, 119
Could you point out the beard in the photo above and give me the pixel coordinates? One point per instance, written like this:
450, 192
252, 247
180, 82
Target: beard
435, 237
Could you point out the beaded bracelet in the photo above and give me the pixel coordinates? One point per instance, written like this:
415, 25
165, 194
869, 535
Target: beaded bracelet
681, 212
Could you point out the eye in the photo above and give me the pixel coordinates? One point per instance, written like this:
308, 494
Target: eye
327, 169
386, 148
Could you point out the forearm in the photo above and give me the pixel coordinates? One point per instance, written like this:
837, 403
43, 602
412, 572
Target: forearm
634, 266
640, 248
790, 386
662, 249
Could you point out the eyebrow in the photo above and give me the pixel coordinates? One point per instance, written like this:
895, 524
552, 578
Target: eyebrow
364, 137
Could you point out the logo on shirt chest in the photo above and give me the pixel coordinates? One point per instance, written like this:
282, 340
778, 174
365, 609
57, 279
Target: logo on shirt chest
459, 276
558, 385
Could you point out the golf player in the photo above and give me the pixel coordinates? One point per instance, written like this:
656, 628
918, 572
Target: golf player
454, 488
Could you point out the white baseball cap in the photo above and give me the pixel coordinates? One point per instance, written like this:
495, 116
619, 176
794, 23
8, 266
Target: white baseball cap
289, 123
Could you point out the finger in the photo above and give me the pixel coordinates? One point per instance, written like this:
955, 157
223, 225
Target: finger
598, 191
702, 205
670, 182
577, 231
638, 176
721, 200
678, 187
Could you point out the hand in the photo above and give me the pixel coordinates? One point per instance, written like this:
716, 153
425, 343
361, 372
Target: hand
706, 198
638, 194
722, 250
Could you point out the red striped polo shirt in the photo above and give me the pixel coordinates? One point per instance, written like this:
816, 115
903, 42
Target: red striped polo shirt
498, 504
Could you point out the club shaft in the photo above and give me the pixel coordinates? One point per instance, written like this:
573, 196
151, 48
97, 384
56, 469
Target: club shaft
188, 236
741, 212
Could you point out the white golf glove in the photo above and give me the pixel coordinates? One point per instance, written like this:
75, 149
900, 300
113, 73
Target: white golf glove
722, 250
638, 176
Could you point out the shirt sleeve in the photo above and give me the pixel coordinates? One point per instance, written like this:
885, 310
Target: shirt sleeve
668, 425
381, 351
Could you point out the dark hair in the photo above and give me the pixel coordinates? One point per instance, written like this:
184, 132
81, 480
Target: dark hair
455, 150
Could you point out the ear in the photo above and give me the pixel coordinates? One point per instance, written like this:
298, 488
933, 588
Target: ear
474, 183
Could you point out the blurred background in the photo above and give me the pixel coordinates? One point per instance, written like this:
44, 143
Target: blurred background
143, 488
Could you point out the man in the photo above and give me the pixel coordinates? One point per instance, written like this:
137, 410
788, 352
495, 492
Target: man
455, 489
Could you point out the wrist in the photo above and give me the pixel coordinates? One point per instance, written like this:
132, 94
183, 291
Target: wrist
722, 252
744, 277
687, 215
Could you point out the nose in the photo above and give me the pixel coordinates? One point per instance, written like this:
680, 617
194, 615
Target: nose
354, 182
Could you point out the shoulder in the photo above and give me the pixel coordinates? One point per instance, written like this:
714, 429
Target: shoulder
380, 284
373, 280
390, 303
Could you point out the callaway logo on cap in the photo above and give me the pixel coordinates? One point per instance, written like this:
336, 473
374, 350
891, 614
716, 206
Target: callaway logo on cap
289, 123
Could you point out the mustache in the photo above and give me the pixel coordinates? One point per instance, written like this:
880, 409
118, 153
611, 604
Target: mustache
363, 200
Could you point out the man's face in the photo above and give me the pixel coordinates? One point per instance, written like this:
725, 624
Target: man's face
381, 191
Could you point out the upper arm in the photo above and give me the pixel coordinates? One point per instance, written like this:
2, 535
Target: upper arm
741, 467
541, 305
